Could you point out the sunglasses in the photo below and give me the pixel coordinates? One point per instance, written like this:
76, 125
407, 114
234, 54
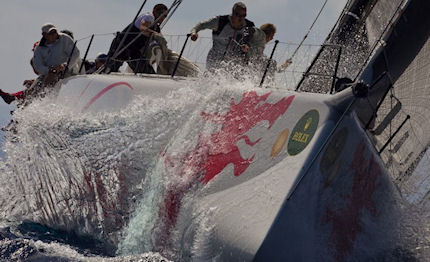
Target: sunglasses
240, 15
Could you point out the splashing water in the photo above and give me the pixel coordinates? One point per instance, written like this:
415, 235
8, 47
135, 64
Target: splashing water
91, 173
104, 175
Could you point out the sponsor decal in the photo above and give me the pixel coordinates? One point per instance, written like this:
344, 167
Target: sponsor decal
329, 161
242, 117
104, 91
98, 197
303, 132
216, 151
280, 143
346, 220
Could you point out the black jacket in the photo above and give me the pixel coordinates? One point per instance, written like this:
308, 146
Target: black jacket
133, 51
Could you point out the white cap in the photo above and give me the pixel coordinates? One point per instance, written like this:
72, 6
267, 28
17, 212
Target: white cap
47, 28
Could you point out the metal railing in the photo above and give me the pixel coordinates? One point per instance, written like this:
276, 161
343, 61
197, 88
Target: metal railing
333, 76
276, 53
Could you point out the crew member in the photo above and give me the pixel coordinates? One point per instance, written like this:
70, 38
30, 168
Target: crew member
230, 35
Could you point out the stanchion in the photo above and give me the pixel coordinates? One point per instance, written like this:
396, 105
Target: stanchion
180, 55
68, 60
395, 133
86, 53
269, 62
333, 82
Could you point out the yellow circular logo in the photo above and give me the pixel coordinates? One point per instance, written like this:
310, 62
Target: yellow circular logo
280, 143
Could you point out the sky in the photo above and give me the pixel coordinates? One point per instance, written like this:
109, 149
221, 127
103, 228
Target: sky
21, 21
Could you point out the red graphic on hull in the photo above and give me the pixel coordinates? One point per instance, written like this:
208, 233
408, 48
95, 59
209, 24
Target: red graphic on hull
102, 92
216, 151
99, 197
346, 221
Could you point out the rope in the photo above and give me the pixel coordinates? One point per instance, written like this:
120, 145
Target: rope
290, 60
170, 12
100, 34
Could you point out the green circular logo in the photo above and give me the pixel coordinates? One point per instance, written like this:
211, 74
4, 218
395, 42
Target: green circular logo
333, 150
330, 161
303, 132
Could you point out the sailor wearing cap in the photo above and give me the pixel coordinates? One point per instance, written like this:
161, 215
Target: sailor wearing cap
53, 52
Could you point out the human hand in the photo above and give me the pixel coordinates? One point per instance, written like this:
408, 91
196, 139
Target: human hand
194, 36
59, 67
28, 83
147, 31
245, 48
287, 63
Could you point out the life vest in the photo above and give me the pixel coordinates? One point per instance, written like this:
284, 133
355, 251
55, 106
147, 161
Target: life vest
224, 20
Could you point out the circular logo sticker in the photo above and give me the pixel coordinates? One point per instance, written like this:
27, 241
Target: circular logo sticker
334, 149
330, 164
280, 142
303, 132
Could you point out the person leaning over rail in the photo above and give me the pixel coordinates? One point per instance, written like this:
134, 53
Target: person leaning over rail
52, 54
229, 35
98, 63
132, 46
159, 11
262, 35
33, 86
65, 31
161, 58
136, 42
257, 59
